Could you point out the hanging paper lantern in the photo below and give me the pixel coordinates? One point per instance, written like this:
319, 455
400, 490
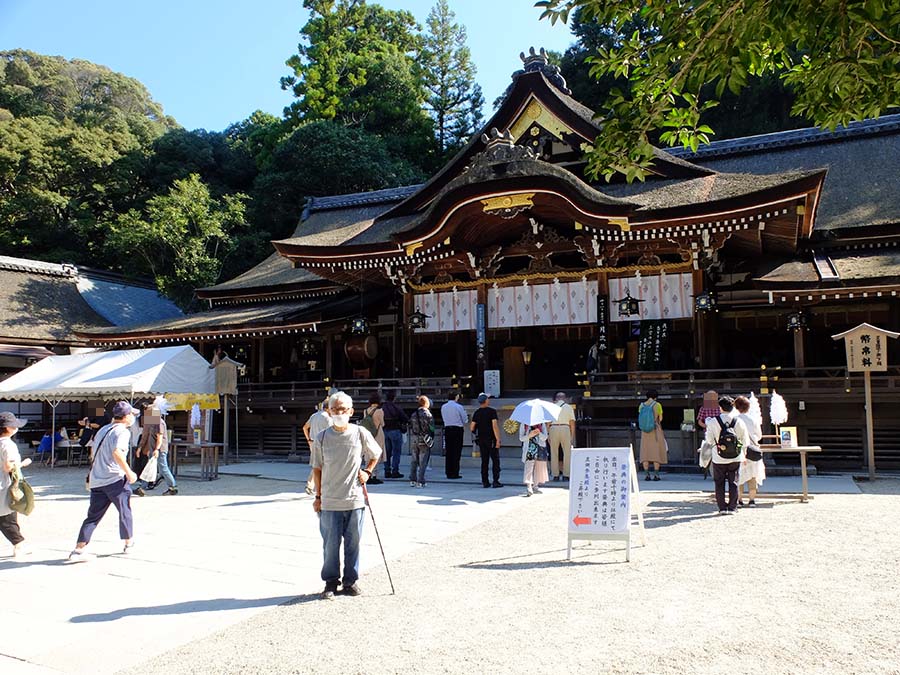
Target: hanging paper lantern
778, 413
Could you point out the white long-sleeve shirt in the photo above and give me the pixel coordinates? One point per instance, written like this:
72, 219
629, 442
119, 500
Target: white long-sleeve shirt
713, 429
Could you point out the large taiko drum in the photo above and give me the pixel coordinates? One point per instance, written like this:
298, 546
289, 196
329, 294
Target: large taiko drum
361, 350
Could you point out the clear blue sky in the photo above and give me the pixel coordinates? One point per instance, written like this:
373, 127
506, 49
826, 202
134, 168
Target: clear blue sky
213, 62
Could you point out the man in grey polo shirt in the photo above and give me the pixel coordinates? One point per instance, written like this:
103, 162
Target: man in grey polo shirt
337, 455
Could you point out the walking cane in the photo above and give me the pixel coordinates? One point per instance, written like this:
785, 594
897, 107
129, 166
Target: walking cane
378, 536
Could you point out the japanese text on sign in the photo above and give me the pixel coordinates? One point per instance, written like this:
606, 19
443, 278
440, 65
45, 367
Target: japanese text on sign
599, 497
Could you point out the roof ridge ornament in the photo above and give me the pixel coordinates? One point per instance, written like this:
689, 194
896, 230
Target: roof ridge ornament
500, 148
539, 62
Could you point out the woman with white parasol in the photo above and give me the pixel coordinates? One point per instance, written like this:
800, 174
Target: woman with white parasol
533, 415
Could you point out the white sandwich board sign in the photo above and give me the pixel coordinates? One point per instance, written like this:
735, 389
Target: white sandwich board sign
603, 496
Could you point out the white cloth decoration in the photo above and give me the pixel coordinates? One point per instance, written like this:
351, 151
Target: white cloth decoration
778, 413
755, 411
195, 415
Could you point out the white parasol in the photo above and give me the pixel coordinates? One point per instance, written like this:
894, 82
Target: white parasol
535, 412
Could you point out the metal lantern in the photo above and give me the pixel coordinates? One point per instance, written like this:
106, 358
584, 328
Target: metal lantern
526, 357
706, 302
628, 305
359, 326
417, 320
307, 347
796, 321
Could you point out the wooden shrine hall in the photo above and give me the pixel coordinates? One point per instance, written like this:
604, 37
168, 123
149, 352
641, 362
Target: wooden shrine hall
728, 269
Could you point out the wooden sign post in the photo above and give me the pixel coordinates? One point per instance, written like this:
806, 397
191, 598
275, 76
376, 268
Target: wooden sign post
604, 496
866, 348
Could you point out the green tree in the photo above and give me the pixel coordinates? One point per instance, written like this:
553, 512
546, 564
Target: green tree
763, 106
841, 59
180, 238
320, 159
450, 79
357, 66
342, 41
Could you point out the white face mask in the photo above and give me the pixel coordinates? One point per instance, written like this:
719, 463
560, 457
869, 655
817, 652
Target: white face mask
341, 420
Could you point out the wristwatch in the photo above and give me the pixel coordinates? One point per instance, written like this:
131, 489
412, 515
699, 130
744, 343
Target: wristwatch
367, 472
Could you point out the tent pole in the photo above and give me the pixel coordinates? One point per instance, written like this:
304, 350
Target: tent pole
225, 428
53, 433
237, 431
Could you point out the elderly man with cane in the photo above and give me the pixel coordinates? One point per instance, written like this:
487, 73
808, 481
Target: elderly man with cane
337, 455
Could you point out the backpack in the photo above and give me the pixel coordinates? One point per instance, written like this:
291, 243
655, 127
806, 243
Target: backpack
422, 428
368, 423
647, 418
728, 446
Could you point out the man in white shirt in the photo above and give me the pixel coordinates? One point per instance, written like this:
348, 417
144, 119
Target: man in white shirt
318, 422
727, 454
455, 420
562, 433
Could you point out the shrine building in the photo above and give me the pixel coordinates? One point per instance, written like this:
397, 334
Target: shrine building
729, 268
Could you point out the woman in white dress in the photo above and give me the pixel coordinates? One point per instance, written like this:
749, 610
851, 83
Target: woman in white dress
752, 472
534, 456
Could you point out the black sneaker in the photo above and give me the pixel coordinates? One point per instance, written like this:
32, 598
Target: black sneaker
397, 474
139, 492
351, 590
555, 479
171, 491
374, 480
485, 485
328, 593
498, 484
656, 477
648, 477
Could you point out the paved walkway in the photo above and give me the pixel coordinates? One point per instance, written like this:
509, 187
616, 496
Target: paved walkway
219, 553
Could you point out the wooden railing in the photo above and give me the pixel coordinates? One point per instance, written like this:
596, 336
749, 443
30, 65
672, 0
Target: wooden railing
808, 383
275, 394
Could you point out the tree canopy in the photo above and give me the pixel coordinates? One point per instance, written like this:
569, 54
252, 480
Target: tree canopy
841, 61
454, 97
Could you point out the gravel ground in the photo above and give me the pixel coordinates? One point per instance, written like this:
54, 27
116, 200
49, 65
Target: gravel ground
783, 588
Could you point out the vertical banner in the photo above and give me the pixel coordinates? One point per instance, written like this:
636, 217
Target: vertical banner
602, 324
653, 344
480, 331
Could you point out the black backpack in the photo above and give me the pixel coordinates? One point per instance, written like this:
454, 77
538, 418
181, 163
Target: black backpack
728, 446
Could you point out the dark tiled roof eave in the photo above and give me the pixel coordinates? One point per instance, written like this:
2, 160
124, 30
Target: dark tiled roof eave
792, 138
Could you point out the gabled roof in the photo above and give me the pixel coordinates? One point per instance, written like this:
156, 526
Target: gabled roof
861, 189
49, 303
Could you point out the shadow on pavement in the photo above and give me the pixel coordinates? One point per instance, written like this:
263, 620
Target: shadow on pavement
579, 556
215, 605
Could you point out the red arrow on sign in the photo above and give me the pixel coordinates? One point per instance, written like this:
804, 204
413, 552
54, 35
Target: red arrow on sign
581, 520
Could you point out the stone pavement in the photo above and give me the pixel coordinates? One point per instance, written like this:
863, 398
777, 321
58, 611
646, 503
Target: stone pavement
215, 555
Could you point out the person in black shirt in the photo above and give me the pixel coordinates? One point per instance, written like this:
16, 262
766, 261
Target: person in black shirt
395, 421
484, 425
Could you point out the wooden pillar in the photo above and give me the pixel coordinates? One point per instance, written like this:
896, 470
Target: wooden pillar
799, 348
329, 357
260, 344
700, 359
408, 336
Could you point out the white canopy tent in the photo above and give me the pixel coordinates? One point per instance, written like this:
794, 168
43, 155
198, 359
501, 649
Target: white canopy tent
122, 374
